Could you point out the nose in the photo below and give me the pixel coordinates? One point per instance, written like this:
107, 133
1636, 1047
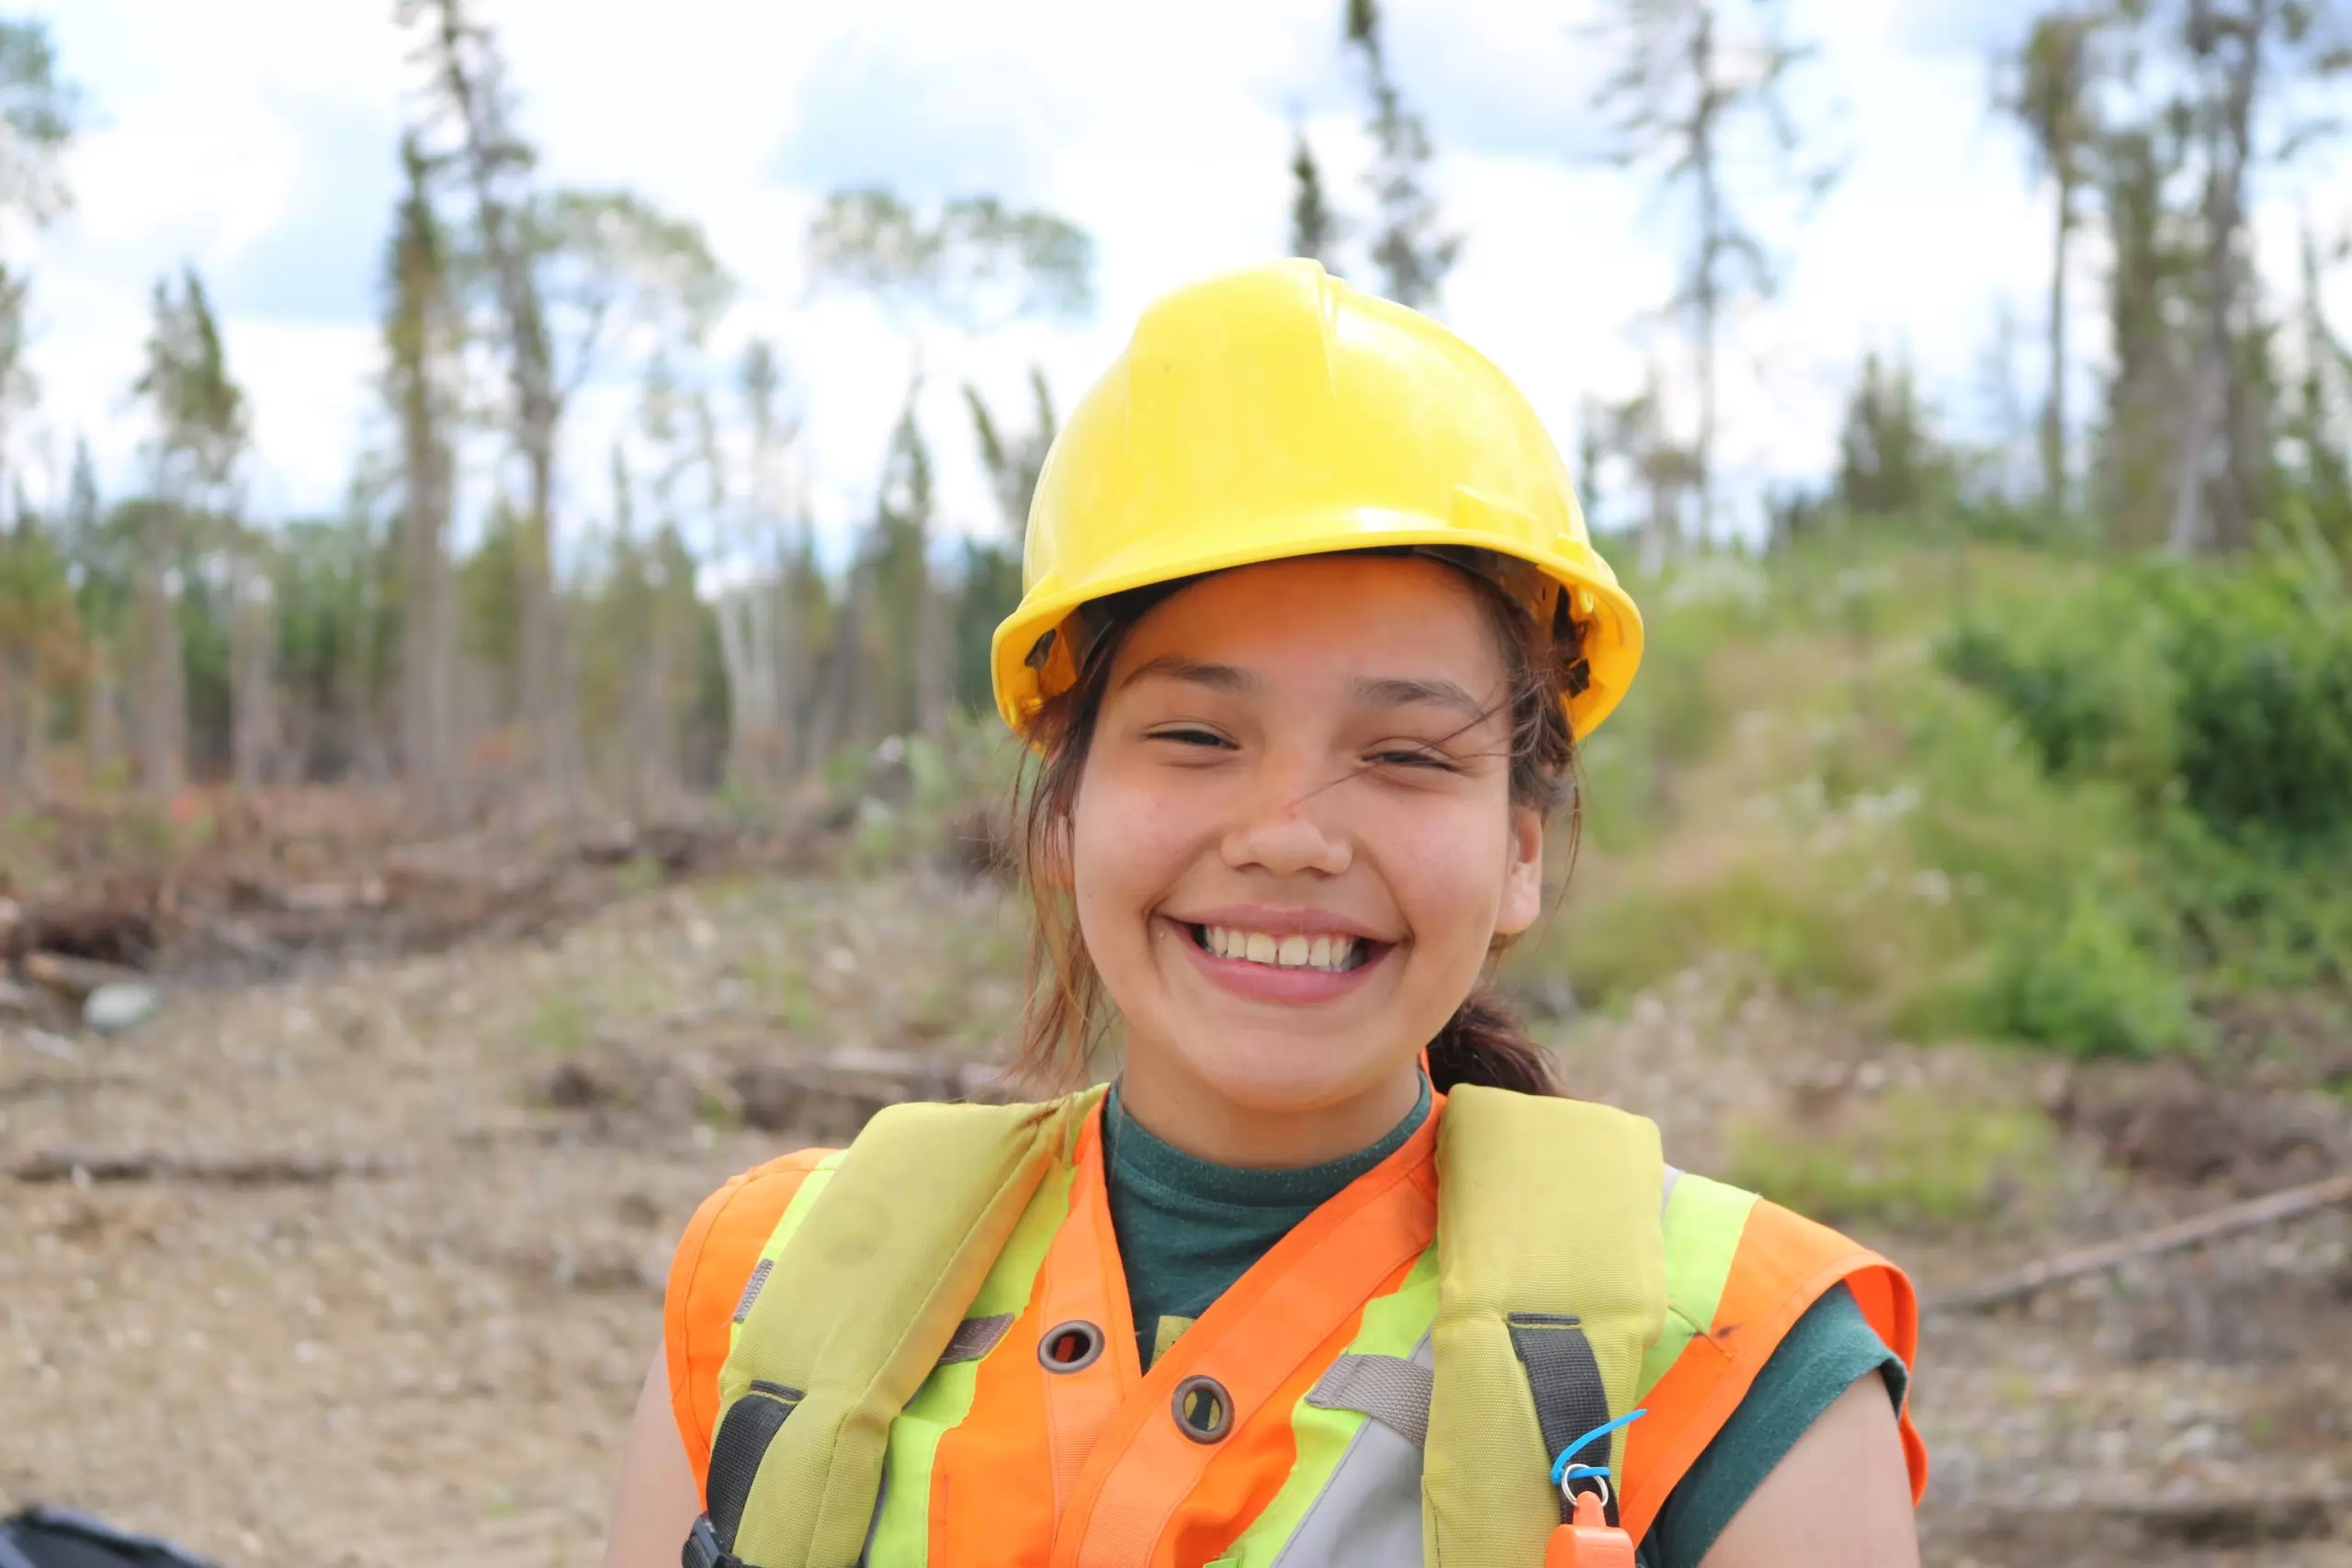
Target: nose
1286, 826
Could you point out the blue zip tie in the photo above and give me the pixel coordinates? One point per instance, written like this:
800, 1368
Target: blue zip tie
1563, 1472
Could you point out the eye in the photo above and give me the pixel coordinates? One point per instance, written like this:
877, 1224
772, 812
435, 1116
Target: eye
1413, 757
1192, 736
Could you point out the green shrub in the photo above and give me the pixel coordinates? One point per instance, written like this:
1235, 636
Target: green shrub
1785, 918
1905, 1159
2088, 981
2264, 673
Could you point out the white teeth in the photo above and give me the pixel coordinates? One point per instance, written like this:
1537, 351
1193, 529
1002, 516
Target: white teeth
1294, 951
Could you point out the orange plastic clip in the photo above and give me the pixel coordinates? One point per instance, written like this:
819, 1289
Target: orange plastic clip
1588, 1541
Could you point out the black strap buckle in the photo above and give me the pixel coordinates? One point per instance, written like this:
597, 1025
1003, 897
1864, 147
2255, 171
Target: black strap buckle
702, 1550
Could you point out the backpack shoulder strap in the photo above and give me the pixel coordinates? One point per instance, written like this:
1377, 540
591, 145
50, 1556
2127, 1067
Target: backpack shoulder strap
710, 1274
864, 1298
1552, 1287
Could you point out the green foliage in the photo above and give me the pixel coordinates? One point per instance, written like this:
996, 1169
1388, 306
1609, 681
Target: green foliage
2217, 700
990, 591
2228, 684
2263, 703
2089, 980
1889, 462
1788, 915
1905, 1159
2006, 793
39, 629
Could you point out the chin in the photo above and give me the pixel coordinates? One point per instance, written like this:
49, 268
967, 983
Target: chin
1273, 1072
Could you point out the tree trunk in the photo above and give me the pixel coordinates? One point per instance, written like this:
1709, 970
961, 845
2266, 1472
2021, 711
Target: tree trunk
426, 625
548, 711
788, 657
934, 654
654, 720
162, 688
253, 720
2204, 475
20, 725
746, 644
1707, 291
835, 711
102, 715
2053, 418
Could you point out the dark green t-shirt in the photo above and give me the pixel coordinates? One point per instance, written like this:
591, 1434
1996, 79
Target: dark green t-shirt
1188, 1229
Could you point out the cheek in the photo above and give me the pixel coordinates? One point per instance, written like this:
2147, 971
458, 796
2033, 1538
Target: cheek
1126, 845
1449, 872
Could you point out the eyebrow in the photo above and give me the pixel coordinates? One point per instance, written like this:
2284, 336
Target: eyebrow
1193, 672
1395, 693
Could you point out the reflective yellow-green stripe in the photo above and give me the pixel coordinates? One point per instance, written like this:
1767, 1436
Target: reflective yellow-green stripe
804, 1198
902, 1529
1703, 1222
1393, 1324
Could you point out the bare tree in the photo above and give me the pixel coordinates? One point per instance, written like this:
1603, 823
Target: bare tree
1014, 459
2150, 288
571, 271
253, 738
964, 268
39, 112
421, 342
469, 77
201, 435
1411, 251
758, 621
2047, 90
1689, 97
2247, 67
39, 636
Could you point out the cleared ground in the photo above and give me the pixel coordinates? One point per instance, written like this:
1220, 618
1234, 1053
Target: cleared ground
434, 1365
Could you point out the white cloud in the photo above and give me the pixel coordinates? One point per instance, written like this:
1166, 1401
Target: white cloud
254, 138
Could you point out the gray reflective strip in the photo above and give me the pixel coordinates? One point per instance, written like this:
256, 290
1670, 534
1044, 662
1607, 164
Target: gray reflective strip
975, 1338
1390, 1389
1672, 1176
1368, 1514
752, 1288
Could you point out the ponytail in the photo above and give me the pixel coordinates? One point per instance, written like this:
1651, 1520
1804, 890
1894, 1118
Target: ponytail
1483, 1043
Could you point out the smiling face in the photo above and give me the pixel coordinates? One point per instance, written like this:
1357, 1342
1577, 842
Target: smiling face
1294, 844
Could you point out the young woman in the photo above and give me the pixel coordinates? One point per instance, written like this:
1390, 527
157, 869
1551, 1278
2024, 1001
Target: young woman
1331, 1274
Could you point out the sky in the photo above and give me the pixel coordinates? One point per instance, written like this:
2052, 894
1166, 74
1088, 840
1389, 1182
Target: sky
255, 140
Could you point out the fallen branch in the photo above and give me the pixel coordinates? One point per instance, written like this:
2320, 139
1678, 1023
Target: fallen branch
261, 1170
2253, 1212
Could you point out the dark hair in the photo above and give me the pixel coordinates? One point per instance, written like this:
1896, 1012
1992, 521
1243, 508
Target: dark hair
1064, 1019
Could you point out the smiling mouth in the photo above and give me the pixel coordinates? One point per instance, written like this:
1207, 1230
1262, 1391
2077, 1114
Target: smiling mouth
1333, 955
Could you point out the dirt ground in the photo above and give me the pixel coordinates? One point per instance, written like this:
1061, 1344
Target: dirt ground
434, 1363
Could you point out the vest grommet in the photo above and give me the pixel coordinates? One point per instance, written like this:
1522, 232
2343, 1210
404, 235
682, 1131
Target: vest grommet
1204, 1410
1069, 1347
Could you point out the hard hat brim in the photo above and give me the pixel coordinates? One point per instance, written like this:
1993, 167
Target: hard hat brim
1612, 624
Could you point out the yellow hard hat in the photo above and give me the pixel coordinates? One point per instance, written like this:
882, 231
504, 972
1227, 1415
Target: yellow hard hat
1276, 413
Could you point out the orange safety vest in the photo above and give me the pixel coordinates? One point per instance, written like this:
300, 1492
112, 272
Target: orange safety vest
1005, 1459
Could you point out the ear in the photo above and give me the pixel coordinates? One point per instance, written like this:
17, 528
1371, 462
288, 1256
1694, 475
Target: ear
1522, 898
